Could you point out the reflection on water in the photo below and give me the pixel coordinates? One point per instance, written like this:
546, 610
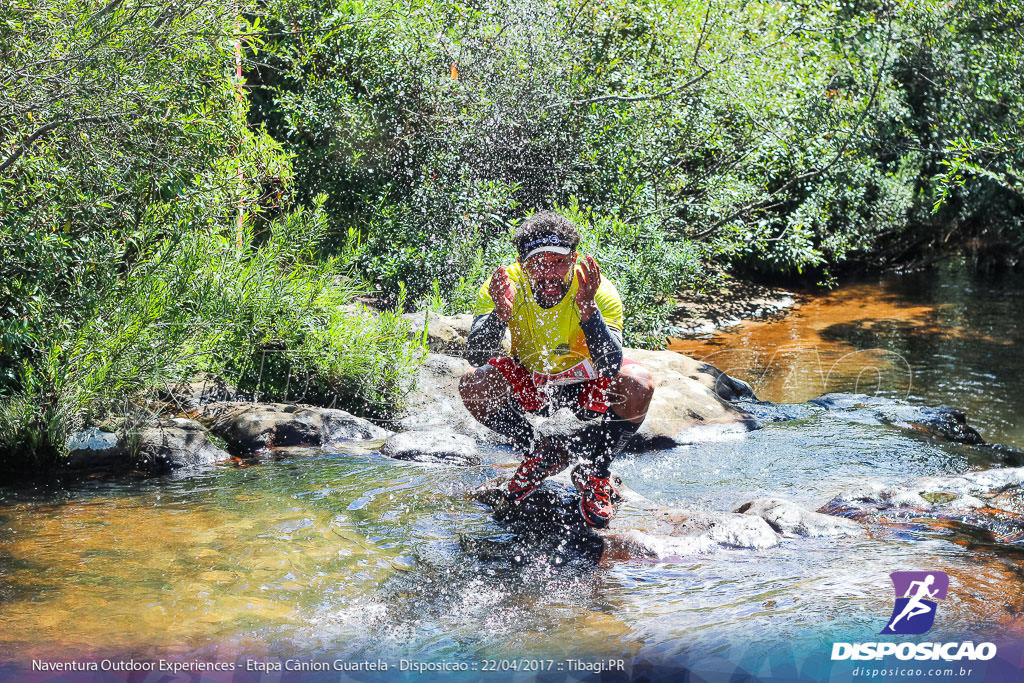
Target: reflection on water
933, 338
328, 555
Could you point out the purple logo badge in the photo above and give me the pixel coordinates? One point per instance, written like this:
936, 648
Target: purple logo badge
916, 593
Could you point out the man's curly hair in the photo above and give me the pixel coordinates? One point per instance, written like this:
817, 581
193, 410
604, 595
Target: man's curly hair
545, 223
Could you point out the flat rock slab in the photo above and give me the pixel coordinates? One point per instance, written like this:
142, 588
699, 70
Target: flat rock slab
692, 400
440, 447
786, 517
1011, 456
685, 533
779, 412
986, 504
250, 427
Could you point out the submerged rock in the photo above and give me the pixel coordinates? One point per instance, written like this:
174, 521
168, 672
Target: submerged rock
721, 385
941, 422
435, 446
765, 411
874, 496
786, 517
987, 504
249, 427
1010, 456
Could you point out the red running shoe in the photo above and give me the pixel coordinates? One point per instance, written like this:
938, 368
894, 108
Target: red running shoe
597, 498
546, 459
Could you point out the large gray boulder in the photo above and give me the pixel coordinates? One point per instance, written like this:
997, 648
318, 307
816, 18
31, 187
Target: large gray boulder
722, 385
165, 446
176, 444
432, 447
691, 400
250, 427
688, 401
681, 533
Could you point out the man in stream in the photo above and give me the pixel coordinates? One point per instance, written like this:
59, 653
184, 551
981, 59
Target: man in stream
565, 322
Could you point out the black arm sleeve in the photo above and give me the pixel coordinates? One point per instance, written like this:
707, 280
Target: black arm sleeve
605, 345
484, 341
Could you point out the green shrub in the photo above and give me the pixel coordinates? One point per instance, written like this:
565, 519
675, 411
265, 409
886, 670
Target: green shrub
643, 264
273, 318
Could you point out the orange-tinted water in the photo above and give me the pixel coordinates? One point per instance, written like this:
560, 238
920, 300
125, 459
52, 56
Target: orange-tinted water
939, 338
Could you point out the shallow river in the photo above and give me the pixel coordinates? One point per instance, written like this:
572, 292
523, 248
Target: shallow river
328, 555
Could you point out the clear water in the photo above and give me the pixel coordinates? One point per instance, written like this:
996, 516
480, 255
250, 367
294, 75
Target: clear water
340, 555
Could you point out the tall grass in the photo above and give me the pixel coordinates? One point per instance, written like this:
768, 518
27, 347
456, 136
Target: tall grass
265, 312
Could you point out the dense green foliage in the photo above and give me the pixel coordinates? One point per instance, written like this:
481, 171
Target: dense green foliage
156, 219
959, 73
125, 263
760, 136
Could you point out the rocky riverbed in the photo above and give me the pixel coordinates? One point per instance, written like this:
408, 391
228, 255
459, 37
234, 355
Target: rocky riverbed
693, 402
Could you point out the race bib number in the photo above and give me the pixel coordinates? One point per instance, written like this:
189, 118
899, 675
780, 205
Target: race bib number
581, 372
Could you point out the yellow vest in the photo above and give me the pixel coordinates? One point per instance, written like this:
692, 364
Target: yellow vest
550, 340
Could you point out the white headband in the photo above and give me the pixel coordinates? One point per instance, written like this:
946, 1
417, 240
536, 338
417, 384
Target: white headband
553, 250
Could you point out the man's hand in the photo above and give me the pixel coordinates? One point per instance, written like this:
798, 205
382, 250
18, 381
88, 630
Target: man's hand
503, 293
589, 276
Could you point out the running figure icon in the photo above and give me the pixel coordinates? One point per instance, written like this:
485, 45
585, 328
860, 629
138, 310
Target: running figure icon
916, 593
915, 607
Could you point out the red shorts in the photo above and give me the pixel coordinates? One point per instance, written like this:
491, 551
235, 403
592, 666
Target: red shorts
532, 396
